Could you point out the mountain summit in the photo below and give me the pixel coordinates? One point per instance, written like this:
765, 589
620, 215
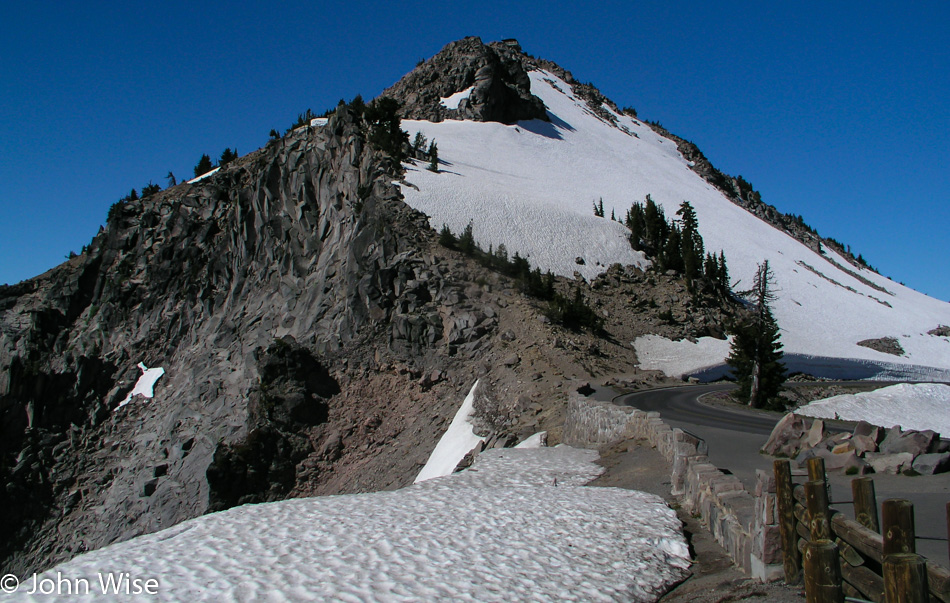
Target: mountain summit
530, 186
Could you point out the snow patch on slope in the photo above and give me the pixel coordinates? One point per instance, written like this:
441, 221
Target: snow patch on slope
452, 101
918, 406
679, 358
531, 187
500, 531
455, 443
145, 386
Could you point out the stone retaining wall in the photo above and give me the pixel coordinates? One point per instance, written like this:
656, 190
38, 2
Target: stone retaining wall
744, 524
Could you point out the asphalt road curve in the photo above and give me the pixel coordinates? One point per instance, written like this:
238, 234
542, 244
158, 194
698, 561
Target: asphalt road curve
680, 405
735, 436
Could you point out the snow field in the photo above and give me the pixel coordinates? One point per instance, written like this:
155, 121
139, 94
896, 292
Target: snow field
918, 406
518, 525
531, 187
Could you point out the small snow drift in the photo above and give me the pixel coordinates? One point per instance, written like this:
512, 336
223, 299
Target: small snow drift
145, 386
452, 101
518, 526
918, 406
455, 443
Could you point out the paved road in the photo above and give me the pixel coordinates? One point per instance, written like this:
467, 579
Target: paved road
735, 436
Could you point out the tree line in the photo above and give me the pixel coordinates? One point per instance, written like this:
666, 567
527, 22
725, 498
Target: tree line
571, 311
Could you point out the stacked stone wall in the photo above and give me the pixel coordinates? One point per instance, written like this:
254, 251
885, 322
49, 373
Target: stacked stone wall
744, 523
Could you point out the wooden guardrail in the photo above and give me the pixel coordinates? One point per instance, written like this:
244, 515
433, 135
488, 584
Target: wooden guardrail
859, 558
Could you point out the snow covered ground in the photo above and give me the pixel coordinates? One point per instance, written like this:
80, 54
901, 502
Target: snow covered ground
517, 526
918, 406
531, 186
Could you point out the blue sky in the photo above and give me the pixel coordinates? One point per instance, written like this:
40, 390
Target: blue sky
836, 111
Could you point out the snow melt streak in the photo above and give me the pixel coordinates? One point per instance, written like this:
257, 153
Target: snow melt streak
501, 531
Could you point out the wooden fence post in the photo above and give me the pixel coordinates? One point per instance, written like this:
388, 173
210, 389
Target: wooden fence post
822, 574
905, 579
816, 469
865, 503
819, 518
791, 557
898, 528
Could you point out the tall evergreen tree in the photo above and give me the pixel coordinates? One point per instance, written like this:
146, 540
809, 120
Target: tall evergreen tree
227, 156
385, 132
433, 157
419, 143
691, 243
756, 353
723, 272
204, 166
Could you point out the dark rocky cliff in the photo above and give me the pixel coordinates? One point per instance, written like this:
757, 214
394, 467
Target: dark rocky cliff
293, 261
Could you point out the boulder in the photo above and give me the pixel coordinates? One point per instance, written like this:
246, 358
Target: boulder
863, 444
929, 464
841, 460
832, 461
816, 433
832, 441
843, 448
863, 428
914, 442
883, 462
786, 437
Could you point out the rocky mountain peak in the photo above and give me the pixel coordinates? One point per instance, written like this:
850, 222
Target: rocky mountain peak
495, 74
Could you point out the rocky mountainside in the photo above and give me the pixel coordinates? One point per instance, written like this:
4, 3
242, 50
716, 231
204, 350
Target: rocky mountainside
315, 339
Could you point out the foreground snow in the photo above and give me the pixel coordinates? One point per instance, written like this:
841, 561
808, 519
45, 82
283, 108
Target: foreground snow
517, 526
918, 406
531, 187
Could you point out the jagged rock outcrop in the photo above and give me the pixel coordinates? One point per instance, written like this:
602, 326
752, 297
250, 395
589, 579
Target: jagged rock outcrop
500, 88
305, 239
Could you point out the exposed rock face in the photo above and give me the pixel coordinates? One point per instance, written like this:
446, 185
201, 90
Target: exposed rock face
305, 239
500, 88
886, 345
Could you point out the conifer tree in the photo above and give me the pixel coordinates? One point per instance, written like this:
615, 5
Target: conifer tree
227, 156
204, 166
691, 243
419, 143
723, 272
446, 238
150, 189
171, 179
756, 353
466, 241
385, 132
433, 157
